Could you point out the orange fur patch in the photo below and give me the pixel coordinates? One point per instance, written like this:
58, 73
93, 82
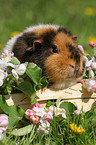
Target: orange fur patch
41, 31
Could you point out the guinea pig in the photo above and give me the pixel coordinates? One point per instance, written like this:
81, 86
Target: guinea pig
52, 48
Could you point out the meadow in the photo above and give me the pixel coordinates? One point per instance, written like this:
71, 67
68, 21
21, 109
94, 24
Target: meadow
79, 16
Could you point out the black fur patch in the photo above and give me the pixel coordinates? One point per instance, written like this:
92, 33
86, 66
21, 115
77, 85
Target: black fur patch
74, 52
48, 37
29, 38
21, 44
64, 30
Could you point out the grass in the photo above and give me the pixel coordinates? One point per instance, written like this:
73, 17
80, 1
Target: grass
16, 15
19, 14
60, 134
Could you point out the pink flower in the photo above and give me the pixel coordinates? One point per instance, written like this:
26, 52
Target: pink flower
3, 122
12, 54
48, 115
36, 105
29, 113
34, 119
5, 52
93, 65
94, 86
81, 48
92, 44
77, 112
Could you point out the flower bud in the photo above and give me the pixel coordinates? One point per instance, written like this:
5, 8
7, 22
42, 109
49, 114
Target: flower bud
77, 112
34, 119
36, 105
92, 44
29, 113
3, 122
5, 52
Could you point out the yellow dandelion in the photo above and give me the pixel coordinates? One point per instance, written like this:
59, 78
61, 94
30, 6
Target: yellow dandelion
90, 11
92, 38
76, 129
14, 33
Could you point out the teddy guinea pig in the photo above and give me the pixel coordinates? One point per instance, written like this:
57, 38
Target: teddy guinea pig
52, 48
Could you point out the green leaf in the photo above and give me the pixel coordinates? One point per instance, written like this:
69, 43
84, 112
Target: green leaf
68, 106
22, 131
16, 114
49, 103
3, 105
33, 98
26, 88
15, 61
34, 72
43, 83
91, 113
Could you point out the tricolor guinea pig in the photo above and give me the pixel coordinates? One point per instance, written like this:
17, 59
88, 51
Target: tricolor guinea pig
52, 48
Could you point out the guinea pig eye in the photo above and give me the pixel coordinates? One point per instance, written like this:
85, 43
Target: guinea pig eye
55, 50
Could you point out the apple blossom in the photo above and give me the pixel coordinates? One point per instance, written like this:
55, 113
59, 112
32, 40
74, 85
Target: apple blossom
34, 119
81, 48
48, 115
77, 112
36, 105
19, 70
57, 111
93, 65
29, 113
15, 74
91, 74
44, 126
88, 84
39, 111
92, 44
88, 63
5, 52
94, 86
3, 124
3, 75
1, 135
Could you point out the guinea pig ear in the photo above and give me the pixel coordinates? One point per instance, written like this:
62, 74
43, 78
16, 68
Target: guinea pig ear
36, 44
74, 37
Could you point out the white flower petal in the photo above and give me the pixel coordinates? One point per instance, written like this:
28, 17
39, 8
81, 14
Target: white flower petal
1, 136
21, 69
15, 74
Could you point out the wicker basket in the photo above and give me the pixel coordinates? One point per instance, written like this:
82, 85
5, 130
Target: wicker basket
75, 94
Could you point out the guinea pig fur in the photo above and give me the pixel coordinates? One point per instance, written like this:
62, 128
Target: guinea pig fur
52, 48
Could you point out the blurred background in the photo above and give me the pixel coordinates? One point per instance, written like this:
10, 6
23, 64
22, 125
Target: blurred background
79, 16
